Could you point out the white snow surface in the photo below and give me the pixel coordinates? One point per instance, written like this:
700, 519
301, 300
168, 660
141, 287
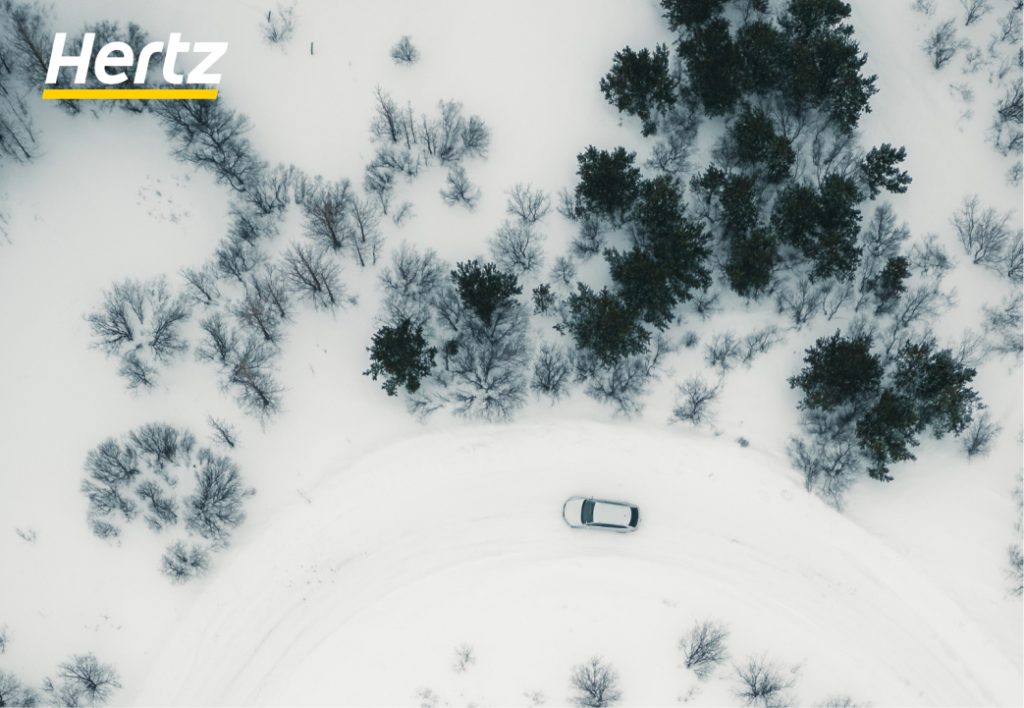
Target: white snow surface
375, 544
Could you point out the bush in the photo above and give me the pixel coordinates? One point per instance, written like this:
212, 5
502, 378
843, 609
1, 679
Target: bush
980, 435
704, 647
596, 684
400, 354
693, 402
458, 189
404, 52
516, 248
279, 25
181, 563
552, 372
762, 683
82, 680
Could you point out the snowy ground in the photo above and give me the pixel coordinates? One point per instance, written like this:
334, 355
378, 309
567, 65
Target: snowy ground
419, 538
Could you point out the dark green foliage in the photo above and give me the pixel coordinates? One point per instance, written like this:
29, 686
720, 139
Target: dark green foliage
887, 432
880, 168
753, 143
602, 324
838, 371
483, 288
739, 208
639, 84
836, 253
686, 13
752, 259
608, 184
713, 66
668, 259
400, 354
823, 62
760, 45
795, 217
938, 386
890, 284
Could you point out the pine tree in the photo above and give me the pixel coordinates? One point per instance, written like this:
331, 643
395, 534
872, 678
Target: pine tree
838, 371
609, 183
639, 84
400, 354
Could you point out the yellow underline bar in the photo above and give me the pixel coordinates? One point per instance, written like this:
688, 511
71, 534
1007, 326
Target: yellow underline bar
139, 94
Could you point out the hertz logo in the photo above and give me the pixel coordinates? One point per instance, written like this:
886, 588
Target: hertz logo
114, 62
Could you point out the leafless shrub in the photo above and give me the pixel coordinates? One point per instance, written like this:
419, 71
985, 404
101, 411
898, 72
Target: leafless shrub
925, 7
839, 701
403, 213
706, 303
279, 24
235, 258
411, 282
762, 683
624, 383
328, 214
704, 647
516, 248
930, 258
799, 302
528, 204
458, 189
182, 563
82, 680
563, 271
464, 658
404, 52
14, 693
759, 342
724, 351
566, 204
1003, 326
596, 684
982, 233
943, 43
693, 401
977, 440
1012, 259
830, 465
366, 238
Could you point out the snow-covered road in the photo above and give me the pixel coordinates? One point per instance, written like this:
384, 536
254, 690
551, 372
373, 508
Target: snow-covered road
360, 596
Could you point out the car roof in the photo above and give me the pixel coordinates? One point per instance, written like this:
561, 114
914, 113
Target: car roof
611, 513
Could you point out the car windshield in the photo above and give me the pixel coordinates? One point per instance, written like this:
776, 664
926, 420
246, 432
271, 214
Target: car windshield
588, 512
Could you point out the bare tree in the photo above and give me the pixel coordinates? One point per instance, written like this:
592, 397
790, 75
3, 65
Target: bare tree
260, 316
14, 693
1007, 132
552, 372
596, 684
82, 680
327, 208
759, 342
830, 464
982, 232
314, 275
693, 401
464, 658
248, 372
279, 24
235, 258
17, 133
943, 43
411, 283
366, 240
404, 52
977, 442
527, 204
1013, 259
1016, 569
214, 510
223, 432
163, 510
458, 189
930, 258
704, 647
564, 271
974, 10
1003, 326
202, 284
762, 683
182, 563
516, 248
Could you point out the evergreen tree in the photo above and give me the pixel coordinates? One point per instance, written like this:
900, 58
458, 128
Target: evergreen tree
400, 354
795, 217
639, 84
609, 183
752, 142
890, 284
603, 325
881, 171
887, 432
752, 259
762, 50
838, 371
483, 288
836, 253
713, 66
937, 385
686, 13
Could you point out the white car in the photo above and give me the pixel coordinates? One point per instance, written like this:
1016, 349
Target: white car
581, 512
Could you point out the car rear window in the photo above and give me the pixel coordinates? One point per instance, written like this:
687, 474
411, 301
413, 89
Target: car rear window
588, 512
